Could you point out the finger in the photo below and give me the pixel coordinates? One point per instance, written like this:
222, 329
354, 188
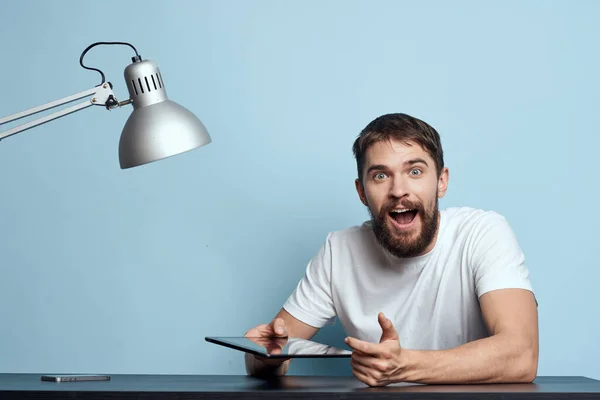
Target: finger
370, 369
364, 377
388, 332
278, 326
357, 366
370, 363
359, 375
372, 349
357, 345
359, 361
260, 336
254, 332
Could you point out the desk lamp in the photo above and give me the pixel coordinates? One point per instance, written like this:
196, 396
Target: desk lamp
157, 128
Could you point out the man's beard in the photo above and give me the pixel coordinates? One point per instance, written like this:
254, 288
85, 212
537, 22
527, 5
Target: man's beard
404, 245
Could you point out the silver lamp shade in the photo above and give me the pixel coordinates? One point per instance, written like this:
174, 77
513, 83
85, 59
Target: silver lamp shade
158, 127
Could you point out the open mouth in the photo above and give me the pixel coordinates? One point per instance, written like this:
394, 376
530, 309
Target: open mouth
403, 217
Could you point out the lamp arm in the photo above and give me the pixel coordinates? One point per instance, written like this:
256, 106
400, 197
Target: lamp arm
99, 95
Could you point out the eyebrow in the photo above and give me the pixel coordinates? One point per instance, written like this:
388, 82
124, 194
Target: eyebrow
381, 167
376, 167
416, 161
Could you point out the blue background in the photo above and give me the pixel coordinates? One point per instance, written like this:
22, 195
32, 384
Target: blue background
104, 270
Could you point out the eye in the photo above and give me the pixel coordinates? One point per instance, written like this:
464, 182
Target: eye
379, 176
415, 171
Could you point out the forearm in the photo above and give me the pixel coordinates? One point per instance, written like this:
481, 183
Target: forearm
498, 358
260, 369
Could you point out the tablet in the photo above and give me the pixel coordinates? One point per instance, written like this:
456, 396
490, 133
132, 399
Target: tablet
277, 347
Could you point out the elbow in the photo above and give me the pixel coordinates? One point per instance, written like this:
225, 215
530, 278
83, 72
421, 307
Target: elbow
525, 367
530, 370
527, 374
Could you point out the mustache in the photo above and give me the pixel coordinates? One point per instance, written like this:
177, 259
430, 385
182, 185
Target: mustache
403, 204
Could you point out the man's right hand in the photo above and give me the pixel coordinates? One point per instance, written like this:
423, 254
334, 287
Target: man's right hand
284, 325
262, 333
275, 328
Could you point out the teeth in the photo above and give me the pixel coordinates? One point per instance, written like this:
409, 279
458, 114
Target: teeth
401, 211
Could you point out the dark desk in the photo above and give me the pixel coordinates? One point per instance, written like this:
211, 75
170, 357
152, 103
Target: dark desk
187, 387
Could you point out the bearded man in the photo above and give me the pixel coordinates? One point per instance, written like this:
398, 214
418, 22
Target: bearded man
425, 295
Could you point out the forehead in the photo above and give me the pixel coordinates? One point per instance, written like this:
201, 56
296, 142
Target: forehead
390, 152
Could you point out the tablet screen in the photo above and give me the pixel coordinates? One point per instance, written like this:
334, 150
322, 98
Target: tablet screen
280, 347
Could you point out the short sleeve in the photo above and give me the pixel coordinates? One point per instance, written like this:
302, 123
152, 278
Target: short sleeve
312, 301
497, 259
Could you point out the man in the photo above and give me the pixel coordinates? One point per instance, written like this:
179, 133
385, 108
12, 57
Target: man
426, 295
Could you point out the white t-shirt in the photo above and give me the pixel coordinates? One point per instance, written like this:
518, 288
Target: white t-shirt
431, 299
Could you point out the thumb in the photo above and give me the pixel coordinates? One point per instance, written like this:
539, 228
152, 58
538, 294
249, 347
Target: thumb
388, 332
278, 327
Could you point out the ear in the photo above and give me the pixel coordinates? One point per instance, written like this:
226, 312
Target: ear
361, 191
443, 182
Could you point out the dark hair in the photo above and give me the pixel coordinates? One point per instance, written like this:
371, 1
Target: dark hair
400, 127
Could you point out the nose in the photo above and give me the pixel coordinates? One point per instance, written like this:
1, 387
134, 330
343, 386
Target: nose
399, 188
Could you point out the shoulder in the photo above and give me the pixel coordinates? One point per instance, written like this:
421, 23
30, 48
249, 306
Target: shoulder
470, 221
353, 243
483, 233
353, 235
476, 230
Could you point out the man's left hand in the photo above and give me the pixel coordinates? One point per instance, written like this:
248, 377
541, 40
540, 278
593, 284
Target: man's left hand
377, 364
